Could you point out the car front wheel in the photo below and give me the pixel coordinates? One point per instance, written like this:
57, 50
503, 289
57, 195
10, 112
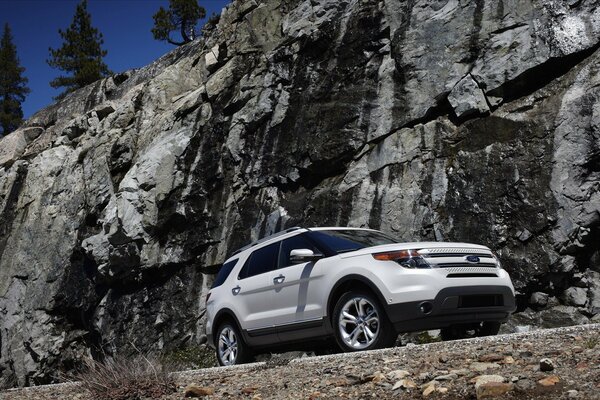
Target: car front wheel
360, 323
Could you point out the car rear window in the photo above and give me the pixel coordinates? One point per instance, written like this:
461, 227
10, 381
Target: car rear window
344, 240
261, 261
223, 273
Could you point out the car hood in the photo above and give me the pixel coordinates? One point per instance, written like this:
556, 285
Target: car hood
412, 246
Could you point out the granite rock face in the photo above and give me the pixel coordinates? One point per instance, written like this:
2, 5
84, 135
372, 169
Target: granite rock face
433, 120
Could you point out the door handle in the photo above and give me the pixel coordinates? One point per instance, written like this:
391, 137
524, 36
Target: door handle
278, 279
236, 290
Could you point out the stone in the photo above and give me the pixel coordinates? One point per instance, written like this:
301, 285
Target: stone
198, 391
211, 59
446, 377
397, 374
429, 390
492, 390
222, 79
467, 98
12, 147
483, 379
492, 357
508, 360
549, 381
32, 133
377, 377
546, 365
538, 299
575, 296
572, 394
404, 384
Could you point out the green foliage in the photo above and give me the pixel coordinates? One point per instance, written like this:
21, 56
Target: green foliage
81, 54
182, 16
592, 342
425, 337
13, 85
192, 357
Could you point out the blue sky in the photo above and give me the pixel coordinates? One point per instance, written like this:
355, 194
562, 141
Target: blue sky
125, 25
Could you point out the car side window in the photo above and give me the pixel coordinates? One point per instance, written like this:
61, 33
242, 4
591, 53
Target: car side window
261, 261
296, 242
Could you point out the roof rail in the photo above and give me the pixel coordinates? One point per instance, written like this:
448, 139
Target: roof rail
280, 233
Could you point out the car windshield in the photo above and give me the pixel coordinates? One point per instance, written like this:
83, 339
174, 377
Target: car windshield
345, 240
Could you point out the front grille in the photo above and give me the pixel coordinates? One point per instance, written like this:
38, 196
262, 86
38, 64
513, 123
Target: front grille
457, 272
440, 255
454, 252
475, 275
465, 265
480, 300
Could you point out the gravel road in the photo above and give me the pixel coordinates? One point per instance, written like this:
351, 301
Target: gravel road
562, 363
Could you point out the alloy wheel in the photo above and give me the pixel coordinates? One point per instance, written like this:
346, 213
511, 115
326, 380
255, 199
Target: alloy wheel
359, 323
228, 346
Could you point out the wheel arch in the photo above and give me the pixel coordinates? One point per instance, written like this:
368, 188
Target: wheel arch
352, 282
223, 315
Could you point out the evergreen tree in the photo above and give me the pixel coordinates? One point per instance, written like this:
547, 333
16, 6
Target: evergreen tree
182, 16
80, 55
13, 85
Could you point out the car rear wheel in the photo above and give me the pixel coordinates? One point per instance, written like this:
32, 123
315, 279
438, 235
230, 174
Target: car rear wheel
231, 349
360, 323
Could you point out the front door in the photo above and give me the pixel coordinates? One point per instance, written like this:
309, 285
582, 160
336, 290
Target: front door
293, 285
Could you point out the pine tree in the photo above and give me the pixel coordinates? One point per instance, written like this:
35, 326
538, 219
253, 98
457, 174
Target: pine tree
13, 85
81, 54
182, 16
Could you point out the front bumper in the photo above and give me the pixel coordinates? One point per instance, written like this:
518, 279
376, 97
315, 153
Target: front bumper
453, 305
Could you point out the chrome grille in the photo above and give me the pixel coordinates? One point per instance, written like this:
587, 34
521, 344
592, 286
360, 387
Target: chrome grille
465, 265
470, 270
454, 252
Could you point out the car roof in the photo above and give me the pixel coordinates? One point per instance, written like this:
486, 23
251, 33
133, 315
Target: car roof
286, 234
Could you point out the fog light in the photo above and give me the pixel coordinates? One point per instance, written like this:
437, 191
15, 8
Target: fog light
426, 307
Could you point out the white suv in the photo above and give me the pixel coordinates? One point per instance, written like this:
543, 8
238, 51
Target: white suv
358, 286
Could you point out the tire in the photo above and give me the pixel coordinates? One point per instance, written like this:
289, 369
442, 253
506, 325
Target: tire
230, 346
455, 332
489, 328
360, 323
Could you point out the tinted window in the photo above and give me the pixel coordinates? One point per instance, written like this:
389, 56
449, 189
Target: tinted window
340, 241
223, 273
261, 261
296, 242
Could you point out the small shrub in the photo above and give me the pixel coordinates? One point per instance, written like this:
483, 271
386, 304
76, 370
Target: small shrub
425, 337
192, 357
126, 378
592, 342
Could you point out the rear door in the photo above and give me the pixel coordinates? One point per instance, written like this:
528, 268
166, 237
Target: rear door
251, 288
293, 286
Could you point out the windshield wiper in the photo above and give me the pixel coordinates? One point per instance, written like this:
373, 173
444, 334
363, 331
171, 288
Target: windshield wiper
348, 250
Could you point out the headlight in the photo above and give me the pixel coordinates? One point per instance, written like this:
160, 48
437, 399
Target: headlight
498, 263
406, 258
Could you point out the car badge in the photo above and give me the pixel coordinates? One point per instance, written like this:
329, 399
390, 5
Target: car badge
472, 259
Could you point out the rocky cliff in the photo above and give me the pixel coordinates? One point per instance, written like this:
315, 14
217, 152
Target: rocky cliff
445, 120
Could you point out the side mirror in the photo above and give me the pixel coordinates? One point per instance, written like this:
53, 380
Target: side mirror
303, 255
